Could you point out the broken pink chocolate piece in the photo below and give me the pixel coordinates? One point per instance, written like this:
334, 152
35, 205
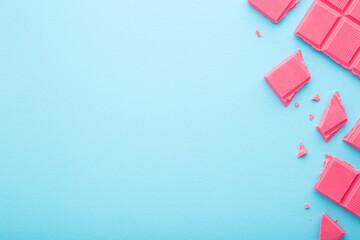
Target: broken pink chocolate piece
302, 151
333, 27
353, 136
274, 10
316, 97
333, 118
288, 77
258, 33
307, 206
297, 104
311, 117
329, 229
340, 183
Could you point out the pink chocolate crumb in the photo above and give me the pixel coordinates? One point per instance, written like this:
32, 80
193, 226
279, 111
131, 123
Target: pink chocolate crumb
316, 97
258, 33
302, 151
311, 117
307, 206
297, 104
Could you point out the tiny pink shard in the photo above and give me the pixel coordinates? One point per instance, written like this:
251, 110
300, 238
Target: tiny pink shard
353, 136
340, 183
333, 118
287, 78
307, 206
258, 33
329, 229
297, 104
316, 97
274, 10
311, 117
302, 151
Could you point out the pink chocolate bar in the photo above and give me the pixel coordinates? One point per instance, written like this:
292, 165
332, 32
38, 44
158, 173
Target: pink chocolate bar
353, 137
288, 77
333, 118
329, 229
333, 27
274, 10
340, 183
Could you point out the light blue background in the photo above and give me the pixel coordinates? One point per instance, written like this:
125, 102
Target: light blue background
138, 119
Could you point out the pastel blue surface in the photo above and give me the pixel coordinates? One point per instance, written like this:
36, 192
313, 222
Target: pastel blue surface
151, 120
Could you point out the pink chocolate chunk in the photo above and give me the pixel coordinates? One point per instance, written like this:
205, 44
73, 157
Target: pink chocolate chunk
288, 77
353, 137
316, 97
258, 33
340, 183
307, 206
333, 27
329, 229
274, 10
297, 104
333, 118
302, 151
311, 117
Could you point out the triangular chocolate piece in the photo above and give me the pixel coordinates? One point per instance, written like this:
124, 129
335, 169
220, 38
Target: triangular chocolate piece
329, 229
333, 118
353, 136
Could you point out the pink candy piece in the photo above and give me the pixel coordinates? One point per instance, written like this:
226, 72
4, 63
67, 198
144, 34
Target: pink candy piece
333, 27
274, 10
311, 117
333, 118
329, 229
288, 77
258, 33
307, 206
340, 183
353, 137
302, 151
316, 97
297, 104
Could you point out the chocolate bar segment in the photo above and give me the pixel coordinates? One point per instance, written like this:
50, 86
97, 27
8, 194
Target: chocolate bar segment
340, 182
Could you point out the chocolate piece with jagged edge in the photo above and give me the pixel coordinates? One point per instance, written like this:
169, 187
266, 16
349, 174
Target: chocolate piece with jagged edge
333, 118
329, 229
288, 77
340, 183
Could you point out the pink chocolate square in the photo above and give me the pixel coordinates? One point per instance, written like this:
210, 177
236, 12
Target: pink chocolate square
288, 77
316, 24
340, 182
